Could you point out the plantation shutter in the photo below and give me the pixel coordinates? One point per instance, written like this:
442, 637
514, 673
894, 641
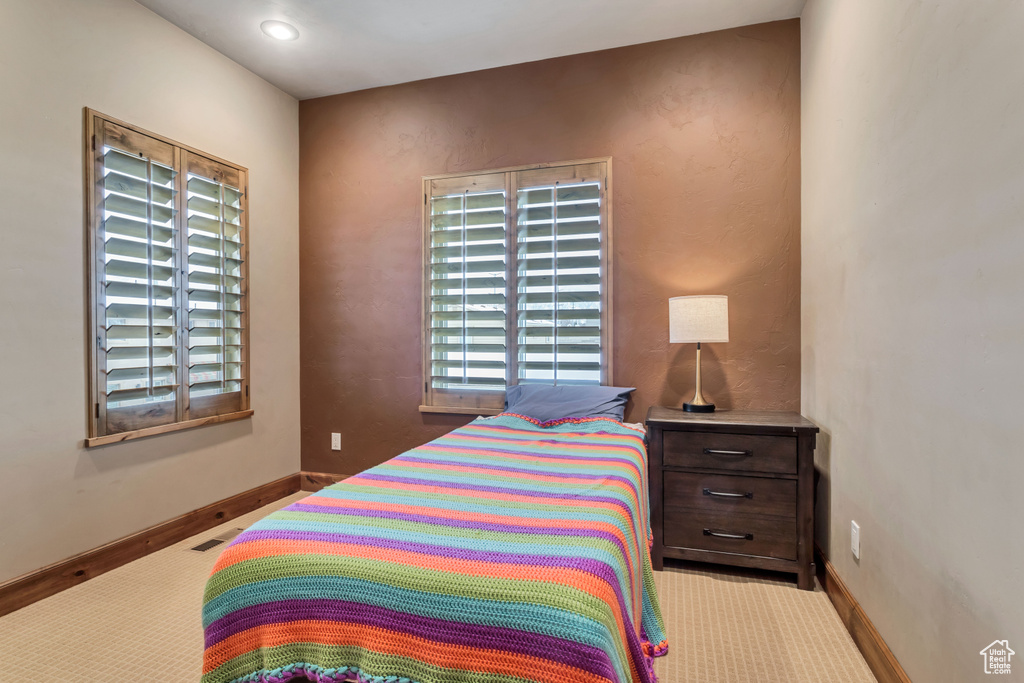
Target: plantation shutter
560, 266
168, 285
516, 283
216, 287
467, 290
137, 281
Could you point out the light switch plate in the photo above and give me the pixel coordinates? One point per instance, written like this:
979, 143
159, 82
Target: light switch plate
335, 441
855, 539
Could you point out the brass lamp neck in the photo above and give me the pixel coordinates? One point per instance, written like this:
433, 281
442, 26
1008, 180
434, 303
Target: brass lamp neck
698, 403
698, 397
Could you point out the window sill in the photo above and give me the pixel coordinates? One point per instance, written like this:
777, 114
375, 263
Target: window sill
456, 410
163, 429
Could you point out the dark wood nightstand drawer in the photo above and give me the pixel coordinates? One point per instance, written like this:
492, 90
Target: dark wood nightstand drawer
731, 533
726, 493
741, 452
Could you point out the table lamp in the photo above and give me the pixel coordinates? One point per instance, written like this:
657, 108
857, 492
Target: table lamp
697, 319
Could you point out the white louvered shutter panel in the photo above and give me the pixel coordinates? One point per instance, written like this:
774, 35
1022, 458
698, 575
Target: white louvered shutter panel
561, 249
136, 281
215, 288
467, 281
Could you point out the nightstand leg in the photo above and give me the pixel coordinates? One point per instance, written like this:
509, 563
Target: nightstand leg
657, 561
805, 578
805, 511
654, 482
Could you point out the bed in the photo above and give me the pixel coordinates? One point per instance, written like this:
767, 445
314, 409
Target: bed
506, 551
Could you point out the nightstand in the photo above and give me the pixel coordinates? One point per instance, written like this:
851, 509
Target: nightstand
733, 487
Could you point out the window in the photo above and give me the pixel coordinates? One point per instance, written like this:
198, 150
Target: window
516, 283
169, 314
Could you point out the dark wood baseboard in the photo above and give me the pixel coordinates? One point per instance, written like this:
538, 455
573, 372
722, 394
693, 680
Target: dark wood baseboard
314, 481
876, 653
42, 583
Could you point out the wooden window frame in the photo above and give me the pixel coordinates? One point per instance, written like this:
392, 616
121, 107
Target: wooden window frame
484, 402
184, 158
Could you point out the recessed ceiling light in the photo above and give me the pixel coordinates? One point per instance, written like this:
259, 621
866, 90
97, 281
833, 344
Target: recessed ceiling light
279, 30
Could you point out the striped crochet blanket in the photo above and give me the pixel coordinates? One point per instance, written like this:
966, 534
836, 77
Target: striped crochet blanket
504, 552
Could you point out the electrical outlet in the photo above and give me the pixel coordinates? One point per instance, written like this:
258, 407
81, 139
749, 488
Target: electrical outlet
335, 441
855, 539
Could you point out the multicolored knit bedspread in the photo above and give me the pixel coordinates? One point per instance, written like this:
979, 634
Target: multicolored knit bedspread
504, 552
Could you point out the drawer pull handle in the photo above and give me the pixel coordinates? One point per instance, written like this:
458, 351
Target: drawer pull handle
727, 494
720, 451
722, 534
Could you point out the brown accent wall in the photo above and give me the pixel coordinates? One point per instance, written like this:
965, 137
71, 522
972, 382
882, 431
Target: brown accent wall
704, 133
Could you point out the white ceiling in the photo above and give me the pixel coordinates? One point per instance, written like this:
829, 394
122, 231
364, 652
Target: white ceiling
347, 45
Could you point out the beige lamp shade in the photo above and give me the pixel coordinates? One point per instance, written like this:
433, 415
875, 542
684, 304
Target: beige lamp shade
703, 318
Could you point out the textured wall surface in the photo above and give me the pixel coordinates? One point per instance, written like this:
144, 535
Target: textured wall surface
704, 135
119, 58
913, 197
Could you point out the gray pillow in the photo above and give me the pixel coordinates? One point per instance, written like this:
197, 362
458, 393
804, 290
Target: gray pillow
543, 402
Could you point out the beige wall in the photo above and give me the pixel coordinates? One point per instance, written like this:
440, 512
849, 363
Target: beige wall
912, 325
57, 56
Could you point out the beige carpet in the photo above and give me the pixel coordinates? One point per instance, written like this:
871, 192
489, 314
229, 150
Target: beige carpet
732, 626
141, 623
